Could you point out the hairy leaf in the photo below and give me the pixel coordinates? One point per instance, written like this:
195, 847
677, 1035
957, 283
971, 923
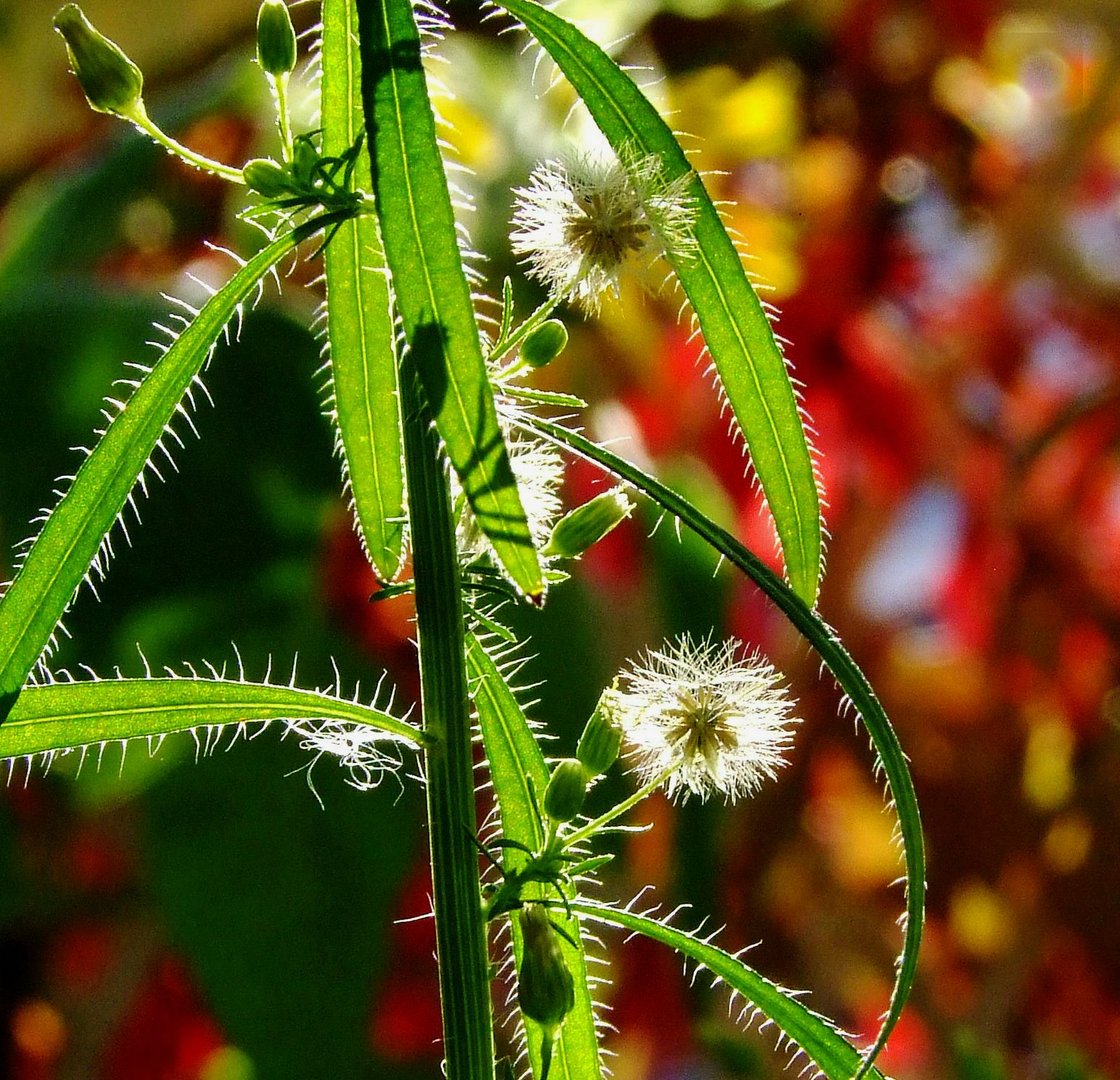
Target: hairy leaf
829, 1050
64, 715
433, 294
845, 670
736, 329
359, 317
516, 762
73, 535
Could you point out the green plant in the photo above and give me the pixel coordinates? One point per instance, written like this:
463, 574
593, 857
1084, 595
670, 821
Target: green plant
446, 457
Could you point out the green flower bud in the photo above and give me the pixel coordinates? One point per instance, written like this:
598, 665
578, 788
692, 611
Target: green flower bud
545, 989
575, 532
545, 343
267, 177
111, 82
601, 740
276, 39
304, 159
567, 788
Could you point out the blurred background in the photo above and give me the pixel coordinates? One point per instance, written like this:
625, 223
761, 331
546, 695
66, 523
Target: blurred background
931, 194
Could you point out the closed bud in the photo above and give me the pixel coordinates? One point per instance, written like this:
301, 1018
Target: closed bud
588, 524
567, 788
545, 343
276, 39
545, 989
267, 177
304, 159
601, 740
111, 82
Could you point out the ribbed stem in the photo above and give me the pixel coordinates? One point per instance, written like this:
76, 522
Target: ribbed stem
460, 931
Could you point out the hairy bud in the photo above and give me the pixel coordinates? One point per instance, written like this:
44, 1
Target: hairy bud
545, 343
567, 788
111, 82
545, 988
601, 741
588, 524
276, 39
267, 177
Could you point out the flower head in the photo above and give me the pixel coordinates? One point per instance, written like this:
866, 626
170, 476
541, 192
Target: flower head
715, 722
579, 221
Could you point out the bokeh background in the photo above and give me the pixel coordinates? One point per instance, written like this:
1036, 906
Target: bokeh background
931, 194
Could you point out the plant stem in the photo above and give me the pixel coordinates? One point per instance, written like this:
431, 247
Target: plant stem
460, 931
283, 115
616, 811
227, 172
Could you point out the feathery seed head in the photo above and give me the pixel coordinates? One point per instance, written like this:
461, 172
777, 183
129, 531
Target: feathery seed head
720, 723
580, 221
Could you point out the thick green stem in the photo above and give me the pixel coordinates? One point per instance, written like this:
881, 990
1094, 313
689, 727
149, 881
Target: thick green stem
460, 931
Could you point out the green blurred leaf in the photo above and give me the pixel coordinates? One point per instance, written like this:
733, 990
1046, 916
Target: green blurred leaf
282, 908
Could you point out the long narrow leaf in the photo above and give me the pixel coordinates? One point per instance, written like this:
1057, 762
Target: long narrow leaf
75, 533
845, 670
360, 329
736, 329
829, 1050
432, 291
63, 715
515, 762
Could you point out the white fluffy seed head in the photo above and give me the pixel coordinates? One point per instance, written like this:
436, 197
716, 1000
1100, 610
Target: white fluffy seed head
718, 723
581, 220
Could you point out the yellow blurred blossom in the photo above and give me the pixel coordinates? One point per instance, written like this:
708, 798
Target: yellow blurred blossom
738, 119
980, 920
1067, 843
1047, 761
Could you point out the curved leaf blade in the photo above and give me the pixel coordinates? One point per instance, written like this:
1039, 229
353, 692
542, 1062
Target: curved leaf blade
63, 716
516, 761
734, 324
360, 329
830, 1051
844, 669
432, 291
75, 530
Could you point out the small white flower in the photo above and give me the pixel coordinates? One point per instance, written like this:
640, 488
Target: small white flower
579, 221
538, 469
715, 722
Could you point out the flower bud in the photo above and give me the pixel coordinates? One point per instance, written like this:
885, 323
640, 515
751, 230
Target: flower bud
267, 177
545, 988
276, 39
567, 788
304, 159
545, 343
601, 740
111, 82
576, 531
